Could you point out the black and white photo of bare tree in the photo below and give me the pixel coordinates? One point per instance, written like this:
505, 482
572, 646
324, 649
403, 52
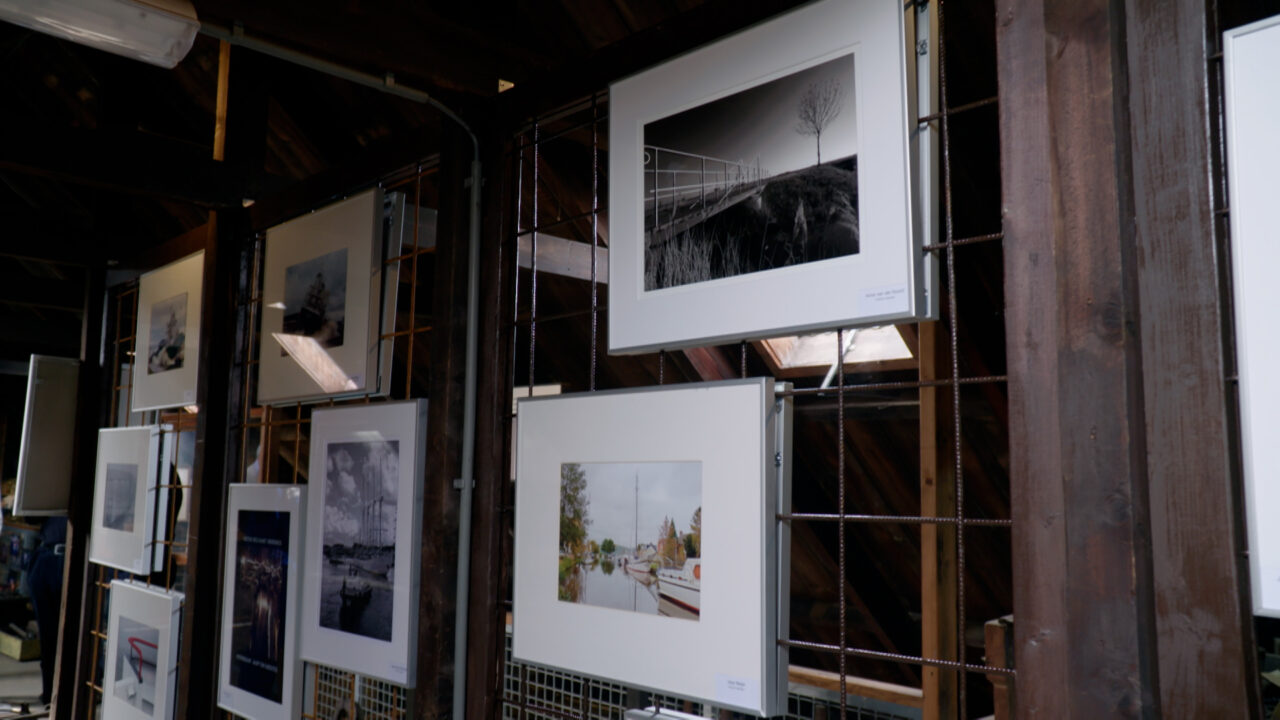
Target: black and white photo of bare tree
731, 186
819, 105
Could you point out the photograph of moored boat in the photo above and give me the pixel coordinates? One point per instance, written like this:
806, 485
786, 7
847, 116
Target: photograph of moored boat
631, 536
166, 346
315, 298
358, 568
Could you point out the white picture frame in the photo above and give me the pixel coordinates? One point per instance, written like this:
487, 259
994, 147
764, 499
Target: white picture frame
259, 673
1252, 100
48, 433
130, 505
723, 445
321, 304
360, 597
733, 157
167, 360
143, 625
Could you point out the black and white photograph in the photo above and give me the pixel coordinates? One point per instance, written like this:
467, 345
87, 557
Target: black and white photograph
137, 652
764, 178
168, 335
631, 536
121, 498
166, 348
315, 298
359, 537
260, 603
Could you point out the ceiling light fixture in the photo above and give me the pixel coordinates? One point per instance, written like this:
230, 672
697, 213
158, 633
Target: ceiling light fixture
159, 32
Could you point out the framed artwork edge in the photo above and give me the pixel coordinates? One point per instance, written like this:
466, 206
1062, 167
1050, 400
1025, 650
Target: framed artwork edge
154, 503
397, 666
61, 417
1253, 300
174, 387
379, 303
739, 306
769, 583
156, 598
263, 497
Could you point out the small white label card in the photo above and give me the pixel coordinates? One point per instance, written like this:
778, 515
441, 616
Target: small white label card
737, 691
883, 300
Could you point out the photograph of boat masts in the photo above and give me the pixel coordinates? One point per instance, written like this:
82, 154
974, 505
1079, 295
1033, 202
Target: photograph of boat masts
631, 536
761, 179
358, 574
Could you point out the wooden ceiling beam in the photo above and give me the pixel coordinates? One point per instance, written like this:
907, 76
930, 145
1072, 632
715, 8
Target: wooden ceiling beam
581, 75
128, 162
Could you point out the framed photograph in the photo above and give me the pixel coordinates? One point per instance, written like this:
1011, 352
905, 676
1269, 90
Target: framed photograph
1252, 99
129, 507
325, 296
140, 676
48, 432
650, 518
167, 359
760, 186
259, 674
364, 527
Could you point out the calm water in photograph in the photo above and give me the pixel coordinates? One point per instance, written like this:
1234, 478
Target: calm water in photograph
371, 619
618, 589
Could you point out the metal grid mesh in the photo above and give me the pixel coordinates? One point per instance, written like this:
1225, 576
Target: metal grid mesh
560, 194
273, 441
531, 691
271, 444
177, 428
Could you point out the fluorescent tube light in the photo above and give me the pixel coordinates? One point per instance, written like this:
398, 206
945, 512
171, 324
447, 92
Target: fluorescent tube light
159, 32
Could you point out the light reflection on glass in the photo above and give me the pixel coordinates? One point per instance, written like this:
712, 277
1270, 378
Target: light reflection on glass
315, 361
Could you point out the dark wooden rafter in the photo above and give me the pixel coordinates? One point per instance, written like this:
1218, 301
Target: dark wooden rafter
129, 162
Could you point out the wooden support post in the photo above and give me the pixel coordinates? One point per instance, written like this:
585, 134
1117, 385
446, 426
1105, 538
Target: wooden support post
490, 570
1204, 625
1084, 635
437, 597
937, 543
76, 585
241, 144
999, 645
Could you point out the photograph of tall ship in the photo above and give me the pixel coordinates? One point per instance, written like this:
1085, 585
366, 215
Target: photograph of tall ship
358, 575
631, 537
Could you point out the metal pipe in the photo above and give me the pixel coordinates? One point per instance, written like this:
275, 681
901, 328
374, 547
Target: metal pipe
387, 84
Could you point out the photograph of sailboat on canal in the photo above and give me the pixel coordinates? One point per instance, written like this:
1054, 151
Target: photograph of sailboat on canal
358, 576
631, 536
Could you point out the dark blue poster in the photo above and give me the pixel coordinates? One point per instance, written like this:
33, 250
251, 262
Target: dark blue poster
259, 607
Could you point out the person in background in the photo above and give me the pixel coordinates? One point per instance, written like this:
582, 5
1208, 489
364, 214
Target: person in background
44, 578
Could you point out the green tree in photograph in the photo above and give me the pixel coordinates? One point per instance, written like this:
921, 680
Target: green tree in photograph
608, 547
573, 510
668, 542
695, 532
